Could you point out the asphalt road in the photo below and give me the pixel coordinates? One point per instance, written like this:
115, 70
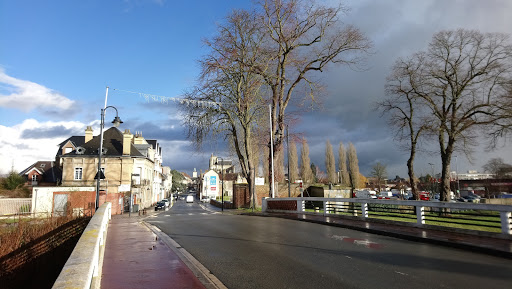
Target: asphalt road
258, 252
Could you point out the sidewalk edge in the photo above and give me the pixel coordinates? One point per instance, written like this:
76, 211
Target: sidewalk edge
201, 272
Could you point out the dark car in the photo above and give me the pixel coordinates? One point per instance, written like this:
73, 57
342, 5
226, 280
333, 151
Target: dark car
160, 206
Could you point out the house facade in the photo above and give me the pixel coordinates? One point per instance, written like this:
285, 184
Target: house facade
130, 164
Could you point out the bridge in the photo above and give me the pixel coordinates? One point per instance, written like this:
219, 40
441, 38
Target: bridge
111, 245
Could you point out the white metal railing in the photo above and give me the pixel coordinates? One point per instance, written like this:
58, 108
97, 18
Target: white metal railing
84, 265
505, 211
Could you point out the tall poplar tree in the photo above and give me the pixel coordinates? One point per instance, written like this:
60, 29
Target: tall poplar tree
345, 180
305, 166
330, 163
294, 162
353, 167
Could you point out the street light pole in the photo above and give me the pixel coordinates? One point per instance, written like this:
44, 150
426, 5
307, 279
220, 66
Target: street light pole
271, 149
117, 121
288, 147
457, 174
222, 181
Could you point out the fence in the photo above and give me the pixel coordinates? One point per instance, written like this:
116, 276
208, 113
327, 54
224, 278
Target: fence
465, 216
84, 265
14, 206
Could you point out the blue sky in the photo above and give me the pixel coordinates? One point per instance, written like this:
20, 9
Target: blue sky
57, 57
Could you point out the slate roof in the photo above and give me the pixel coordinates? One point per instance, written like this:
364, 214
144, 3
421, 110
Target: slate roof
112, 143
76, 140
50, 172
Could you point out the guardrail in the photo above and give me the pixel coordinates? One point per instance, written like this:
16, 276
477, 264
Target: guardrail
495, 217
84, 265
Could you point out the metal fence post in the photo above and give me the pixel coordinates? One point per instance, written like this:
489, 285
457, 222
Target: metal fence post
506, 226
420, 215
364, 210
264, 204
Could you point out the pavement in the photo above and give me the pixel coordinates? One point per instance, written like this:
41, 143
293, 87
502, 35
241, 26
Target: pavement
138, 255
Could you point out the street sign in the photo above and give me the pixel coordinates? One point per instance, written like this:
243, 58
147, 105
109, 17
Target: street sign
124, 188
259, 181
213, 180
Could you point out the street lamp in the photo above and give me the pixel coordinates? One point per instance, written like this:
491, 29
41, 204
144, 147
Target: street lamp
117, 121
222, 180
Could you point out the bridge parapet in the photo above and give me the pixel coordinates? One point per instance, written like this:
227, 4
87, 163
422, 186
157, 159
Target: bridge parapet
84, 265
408, 212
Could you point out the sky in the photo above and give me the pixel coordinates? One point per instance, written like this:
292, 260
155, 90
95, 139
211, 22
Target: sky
58, 57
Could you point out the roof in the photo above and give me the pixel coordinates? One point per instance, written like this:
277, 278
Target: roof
50, 172
152, 142
112, 144
76, 140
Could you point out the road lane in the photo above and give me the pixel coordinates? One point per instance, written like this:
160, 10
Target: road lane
256, 252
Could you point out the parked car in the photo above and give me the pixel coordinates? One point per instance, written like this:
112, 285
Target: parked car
424, 196
160, 206
190, 199
166, 201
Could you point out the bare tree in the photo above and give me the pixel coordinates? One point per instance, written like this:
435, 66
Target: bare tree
305, 167
302, 38
497, 167
227, 101
353, 167
294, 162
345, 180
462, 79
379, 172
330, 163
404, 110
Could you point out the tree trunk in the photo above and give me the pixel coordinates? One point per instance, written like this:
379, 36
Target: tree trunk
412, 178
445, 171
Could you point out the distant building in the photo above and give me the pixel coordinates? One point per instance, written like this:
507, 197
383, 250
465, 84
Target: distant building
470, 175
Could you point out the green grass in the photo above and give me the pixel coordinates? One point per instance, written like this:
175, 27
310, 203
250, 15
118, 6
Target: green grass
482, 222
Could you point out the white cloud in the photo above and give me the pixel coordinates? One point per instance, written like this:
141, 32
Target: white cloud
26, 95
19, 153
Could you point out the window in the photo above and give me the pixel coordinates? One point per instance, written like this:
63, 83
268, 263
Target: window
34, 178
67, 150
78, 173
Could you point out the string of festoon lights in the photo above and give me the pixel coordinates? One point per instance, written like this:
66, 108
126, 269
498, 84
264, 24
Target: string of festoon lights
205, 104
166, 99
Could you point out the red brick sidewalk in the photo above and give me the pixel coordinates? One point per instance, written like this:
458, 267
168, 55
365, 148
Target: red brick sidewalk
136, 258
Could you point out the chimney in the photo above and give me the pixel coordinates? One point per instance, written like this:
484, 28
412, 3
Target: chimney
88, 134
127, 142
139, 139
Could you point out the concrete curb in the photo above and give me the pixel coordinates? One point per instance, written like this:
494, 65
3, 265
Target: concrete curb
204, 275
445, 243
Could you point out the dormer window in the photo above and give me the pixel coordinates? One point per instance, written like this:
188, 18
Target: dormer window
43, 165
68, 150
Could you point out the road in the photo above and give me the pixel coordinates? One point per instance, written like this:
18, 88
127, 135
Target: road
259, 252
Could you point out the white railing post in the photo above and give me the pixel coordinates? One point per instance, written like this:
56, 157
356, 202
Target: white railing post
300, 206
420, 214
364, 209
264, 204
325, 207
506, 226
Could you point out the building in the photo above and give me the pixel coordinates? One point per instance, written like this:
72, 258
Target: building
130, 164
42, 173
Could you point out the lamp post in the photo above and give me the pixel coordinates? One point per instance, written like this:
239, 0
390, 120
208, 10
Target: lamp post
271, 150
117, 121
457, 174
288, 147
222, 181
432, 178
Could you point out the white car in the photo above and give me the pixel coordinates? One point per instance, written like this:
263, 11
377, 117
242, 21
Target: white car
190, 199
